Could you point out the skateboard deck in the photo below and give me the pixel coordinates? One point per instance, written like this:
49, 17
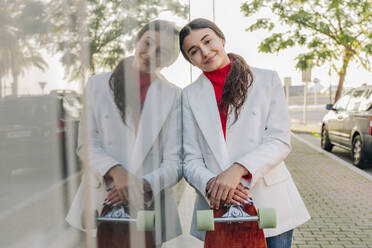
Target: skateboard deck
236, 235
122, 235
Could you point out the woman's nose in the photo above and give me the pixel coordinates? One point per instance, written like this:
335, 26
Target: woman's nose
204, 50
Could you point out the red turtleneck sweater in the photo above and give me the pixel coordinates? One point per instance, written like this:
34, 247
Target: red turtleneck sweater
217, 79
145, 82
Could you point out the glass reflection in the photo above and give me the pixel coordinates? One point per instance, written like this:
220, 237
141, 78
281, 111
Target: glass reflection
39, 118
133, 145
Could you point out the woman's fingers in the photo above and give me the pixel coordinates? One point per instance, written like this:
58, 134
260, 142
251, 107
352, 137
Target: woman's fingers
115, 201
114, 198
230, 196
112, 194
217, 200
239, 199
120, 194
242, 189
234, 202
241, 194
213, 194
225, 194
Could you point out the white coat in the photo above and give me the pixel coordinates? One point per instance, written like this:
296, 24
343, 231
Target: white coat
154, 153
259, 140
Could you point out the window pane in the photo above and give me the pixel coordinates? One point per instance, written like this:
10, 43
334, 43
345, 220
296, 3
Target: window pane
342, 102
355, 100
366, 100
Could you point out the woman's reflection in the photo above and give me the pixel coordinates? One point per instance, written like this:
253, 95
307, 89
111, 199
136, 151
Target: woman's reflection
134, 141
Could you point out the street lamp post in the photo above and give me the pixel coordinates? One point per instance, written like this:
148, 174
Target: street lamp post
306, 78
287, 83
315, 81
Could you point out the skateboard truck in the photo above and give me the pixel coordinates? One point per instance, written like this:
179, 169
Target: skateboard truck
145, 220
235, 214
205, 220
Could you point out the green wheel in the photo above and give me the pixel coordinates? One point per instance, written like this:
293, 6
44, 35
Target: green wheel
266, 218
146, 220
205, 220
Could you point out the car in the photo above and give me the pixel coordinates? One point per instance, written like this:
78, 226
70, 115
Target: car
39, 133
348, 125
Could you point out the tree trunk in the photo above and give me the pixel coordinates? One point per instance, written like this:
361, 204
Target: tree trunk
15, 85
342, 74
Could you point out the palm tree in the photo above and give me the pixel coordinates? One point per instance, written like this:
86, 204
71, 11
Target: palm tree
21, 24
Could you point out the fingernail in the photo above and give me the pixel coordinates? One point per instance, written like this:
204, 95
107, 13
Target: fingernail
246, 187
246, 202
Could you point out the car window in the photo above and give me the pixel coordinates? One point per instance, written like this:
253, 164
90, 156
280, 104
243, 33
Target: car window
355, 100
366, 101
342, 102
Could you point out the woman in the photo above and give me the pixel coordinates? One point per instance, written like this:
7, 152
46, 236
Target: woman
134, 134
236, 132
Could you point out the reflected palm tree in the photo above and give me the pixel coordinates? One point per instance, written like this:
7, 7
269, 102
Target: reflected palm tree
22, 24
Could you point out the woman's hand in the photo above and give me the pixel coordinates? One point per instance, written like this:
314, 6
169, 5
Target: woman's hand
128, 186
223, 187
119, 193
240, 196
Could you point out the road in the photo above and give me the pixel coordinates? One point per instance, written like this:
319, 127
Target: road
341, 153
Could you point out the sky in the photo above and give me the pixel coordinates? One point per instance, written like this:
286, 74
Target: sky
233, 23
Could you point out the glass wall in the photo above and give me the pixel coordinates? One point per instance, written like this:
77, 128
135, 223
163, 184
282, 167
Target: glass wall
87, 87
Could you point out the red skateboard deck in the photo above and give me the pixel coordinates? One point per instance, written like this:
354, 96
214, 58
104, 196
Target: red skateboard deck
236, 235
122, 235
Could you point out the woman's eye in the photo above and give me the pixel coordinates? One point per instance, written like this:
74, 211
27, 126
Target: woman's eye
193, 52
207, 41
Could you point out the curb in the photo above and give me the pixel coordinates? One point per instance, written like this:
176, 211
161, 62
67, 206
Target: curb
334, 157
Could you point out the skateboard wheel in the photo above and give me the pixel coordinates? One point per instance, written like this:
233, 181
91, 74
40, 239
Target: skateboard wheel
266, 218
205, 220
146, 220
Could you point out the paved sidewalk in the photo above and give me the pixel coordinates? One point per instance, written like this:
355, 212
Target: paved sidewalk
338, 199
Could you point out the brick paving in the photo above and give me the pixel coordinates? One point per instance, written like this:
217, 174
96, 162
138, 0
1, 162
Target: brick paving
338, 199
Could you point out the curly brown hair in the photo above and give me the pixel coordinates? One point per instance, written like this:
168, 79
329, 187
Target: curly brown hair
239, 78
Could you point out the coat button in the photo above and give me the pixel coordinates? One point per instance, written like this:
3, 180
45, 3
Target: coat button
253, 113
251, 140
109, 143
106, 116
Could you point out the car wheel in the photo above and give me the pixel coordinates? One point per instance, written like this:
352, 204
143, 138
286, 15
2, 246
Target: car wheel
357, 152
325, 142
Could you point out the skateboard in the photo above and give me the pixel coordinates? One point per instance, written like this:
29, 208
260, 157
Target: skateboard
236, 226
117, 229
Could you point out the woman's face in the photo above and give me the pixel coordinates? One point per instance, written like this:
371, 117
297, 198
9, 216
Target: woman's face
205, 49
154, 50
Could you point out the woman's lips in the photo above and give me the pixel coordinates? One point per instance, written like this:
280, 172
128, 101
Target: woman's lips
210, 59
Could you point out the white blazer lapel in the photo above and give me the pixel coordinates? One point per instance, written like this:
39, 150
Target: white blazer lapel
204, 107
158, 102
